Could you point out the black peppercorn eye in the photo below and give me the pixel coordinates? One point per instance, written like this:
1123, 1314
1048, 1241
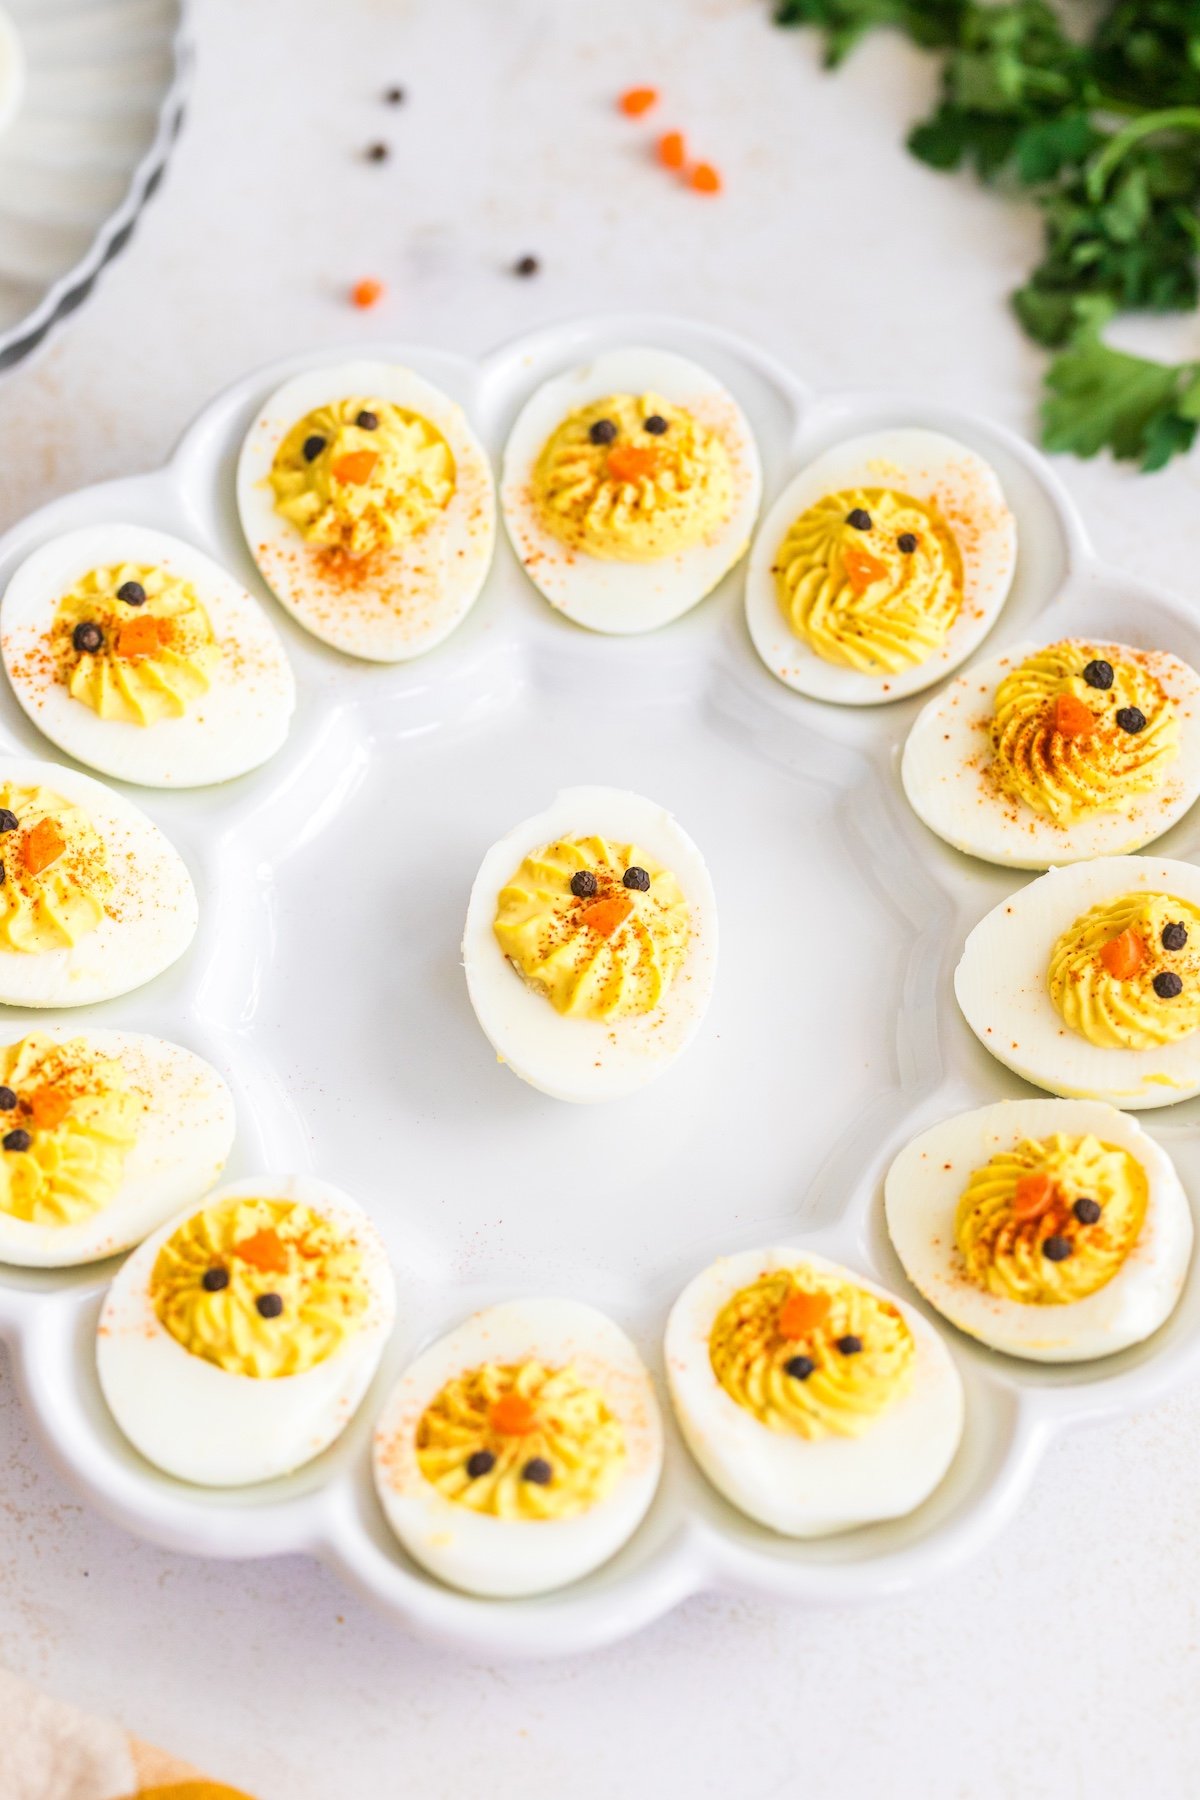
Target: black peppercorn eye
8, 820
655, 425
367, 421
132, 593
1087, 1211
7, 1099
1056, 1248
1099, 674
525, 266
214, 1279
269, 1306
1131, 719
636, 878
850, 1345
583, 884
537, 1470
1167, 985
907, 542
799, 1367
313, 447
860, 518
1174, 935
602, 431
480, 1462
87, 638
16, 1140
3, 875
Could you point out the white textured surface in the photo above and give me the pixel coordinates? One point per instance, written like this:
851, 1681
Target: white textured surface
1064, 1660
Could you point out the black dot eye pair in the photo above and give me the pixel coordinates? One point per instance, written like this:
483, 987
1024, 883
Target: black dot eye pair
860, 520
584, 883
537, 1469
268, 1306
603, 431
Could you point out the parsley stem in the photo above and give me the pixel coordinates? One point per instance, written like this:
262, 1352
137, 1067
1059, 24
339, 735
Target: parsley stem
1171, 118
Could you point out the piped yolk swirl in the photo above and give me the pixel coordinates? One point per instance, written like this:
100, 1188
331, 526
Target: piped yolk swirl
870, 578
851, 1353
82, 1120
637, 495
154, 659
1104, 966
521, 1441
607, 954
1057, 742
1023, 1200
55, 872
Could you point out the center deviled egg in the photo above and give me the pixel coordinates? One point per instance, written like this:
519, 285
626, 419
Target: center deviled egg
590, 944
367, 502
93, 899
103, 1134
814, 1400
630, 487
1053, 753
238, 1341
1051, 1229
136, 653
522, 1450
880, 567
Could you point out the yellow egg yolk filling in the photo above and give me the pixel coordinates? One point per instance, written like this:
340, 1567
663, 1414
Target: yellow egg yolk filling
521, 1441
811, 1354
1126, 974
66, 1137
360, 476
631, 478
1052, 1220
263, 1288
870, 578
606, 947
54, 874
1070, 749
136, 660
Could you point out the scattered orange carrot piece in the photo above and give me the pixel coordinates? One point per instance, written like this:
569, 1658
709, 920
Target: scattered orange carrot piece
1072, 717
263, 1250
43, 845
366, 293
862, 568
1034, 1195
142, 636
354, 467
705, 179
672, 151
513, 1415
635, 101
605, 916
802, 1313
49, 1108
1123, 955
629, 462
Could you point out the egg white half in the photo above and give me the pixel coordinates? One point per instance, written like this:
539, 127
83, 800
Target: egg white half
931, 467
422, 589
151, 911
203, 1425
626, 597
949, 753
921, 1196
509, 1557
589, 1059
1002, 985
241, 721
184, 1136
801, 1487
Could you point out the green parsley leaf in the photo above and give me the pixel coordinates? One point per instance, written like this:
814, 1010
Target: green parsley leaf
1098, 398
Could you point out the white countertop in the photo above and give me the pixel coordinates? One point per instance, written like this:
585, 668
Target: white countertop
1064, 1660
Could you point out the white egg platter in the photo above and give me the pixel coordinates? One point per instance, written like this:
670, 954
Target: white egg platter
325, 985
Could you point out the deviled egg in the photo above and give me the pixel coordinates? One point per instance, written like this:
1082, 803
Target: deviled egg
590, 944
813, 1399
1051, 1229
521, 1450
93, 899
630, 487
880, 567
238, 1341
1053, 753
367, 502
104, 1135
137, 654
1087, 982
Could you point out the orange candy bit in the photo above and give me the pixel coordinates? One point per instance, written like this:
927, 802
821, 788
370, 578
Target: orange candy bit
263, 1250
513, 1415
1072, 717
1035, 1195
366, 293
43, 845
705, 179
354, 467
605, 916
49, 1108
802, 1313
862, 568
1124, 955
672, 151
635, 101
143, 636
629, 462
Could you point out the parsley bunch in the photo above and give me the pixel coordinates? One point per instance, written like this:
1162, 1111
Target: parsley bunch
1104, 136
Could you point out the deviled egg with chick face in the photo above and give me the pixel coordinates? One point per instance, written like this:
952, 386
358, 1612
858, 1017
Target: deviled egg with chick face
590, 944
522, 1450
93, 899
1055, 1230
630, 487
137, 654
368, 504
813, 1399
238, 1341
1050, 754
880, 567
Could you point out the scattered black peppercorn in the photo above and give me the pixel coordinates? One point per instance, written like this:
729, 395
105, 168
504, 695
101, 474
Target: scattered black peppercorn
481, 1462
7, 1099
1174, 936
537, 1470
1131, 718
367, 421
849, 1345
1099, 674
313, 447
583, 884
602, 432
655, 425
213, 1280
269, 1306
8, 820
636, 878
377, 153
1168, 985
525, 266
1086, 1211
860, 518
87, 638
394, 96
799, 1367
907, 542
132, 593
16, 1140
1057, 1248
